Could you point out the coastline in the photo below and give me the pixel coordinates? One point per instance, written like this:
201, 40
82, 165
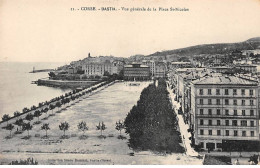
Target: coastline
70, 84
91, 90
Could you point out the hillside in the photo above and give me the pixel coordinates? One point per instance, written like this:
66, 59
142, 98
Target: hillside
221, 48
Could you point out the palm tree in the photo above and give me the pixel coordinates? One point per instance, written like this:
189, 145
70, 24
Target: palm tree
27, 127
82, 126
119, 126
6, 118
45, 127
64, 126
101, 126
10, 127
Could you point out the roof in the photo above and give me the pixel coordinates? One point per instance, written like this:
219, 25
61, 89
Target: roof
246, 65
190, 76
141, 66
224, 80
190, 69
220, 67
181, 62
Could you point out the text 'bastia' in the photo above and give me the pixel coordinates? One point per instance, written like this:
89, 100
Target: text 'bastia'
94, 8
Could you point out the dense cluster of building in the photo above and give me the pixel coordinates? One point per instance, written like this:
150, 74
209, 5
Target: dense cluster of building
222, 110
104, 66
219, 94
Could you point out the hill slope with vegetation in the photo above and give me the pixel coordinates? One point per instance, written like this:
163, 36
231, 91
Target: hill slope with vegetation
221, 48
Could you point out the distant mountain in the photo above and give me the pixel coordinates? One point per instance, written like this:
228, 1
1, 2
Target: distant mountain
255, 39
221, 48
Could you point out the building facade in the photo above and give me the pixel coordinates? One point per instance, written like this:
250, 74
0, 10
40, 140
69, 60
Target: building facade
151, 64
160, 70
248, 68
99, 68
225, 113
157, 69
136, 71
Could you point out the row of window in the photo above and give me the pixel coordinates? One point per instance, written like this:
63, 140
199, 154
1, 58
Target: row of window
227, 112
226, 102
227, 91
227, 133
228, 123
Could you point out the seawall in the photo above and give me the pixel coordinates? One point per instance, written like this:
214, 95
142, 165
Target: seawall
61, 83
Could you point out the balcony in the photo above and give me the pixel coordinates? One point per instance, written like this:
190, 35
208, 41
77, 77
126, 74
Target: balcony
230, 137
215, 127
227, 116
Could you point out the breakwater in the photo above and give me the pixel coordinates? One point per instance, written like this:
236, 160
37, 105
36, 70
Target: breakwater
61, 83
41, 70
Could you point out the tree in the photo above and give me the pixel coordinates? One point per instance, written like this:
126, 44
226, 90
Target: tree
67, 100
10, 127
58, 104
17, 113
6, 118
119, 126
82, 126
152, 123
37, 114
254, 159
40, 104
25, 109
121, 75
106, 73
46, 110
27, 127
33, 107
101, 126
29, 117
52, 74
19, 123
64, 126
51, 107
45, 127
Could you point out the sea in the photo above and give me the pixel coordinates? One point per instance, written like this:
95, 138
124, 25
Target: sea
16, 90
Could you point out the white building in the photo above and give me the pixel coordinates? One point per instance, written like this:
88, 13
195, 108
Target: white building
99, 68
157, 69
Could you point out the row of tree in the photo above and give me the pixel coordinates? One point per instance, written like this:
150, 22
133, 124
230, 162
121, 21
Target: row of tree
64, 126
53, 103
152, 123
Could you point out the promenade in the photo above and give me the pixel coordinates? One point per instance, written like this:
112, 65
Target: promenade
183, 127
90, 91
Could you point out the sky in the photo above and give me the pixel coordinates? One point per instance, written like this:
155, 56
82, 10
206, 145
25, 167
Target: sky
48, 31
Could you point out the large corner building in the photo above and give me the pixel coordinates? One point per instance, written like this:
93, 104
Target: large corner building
225, 113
